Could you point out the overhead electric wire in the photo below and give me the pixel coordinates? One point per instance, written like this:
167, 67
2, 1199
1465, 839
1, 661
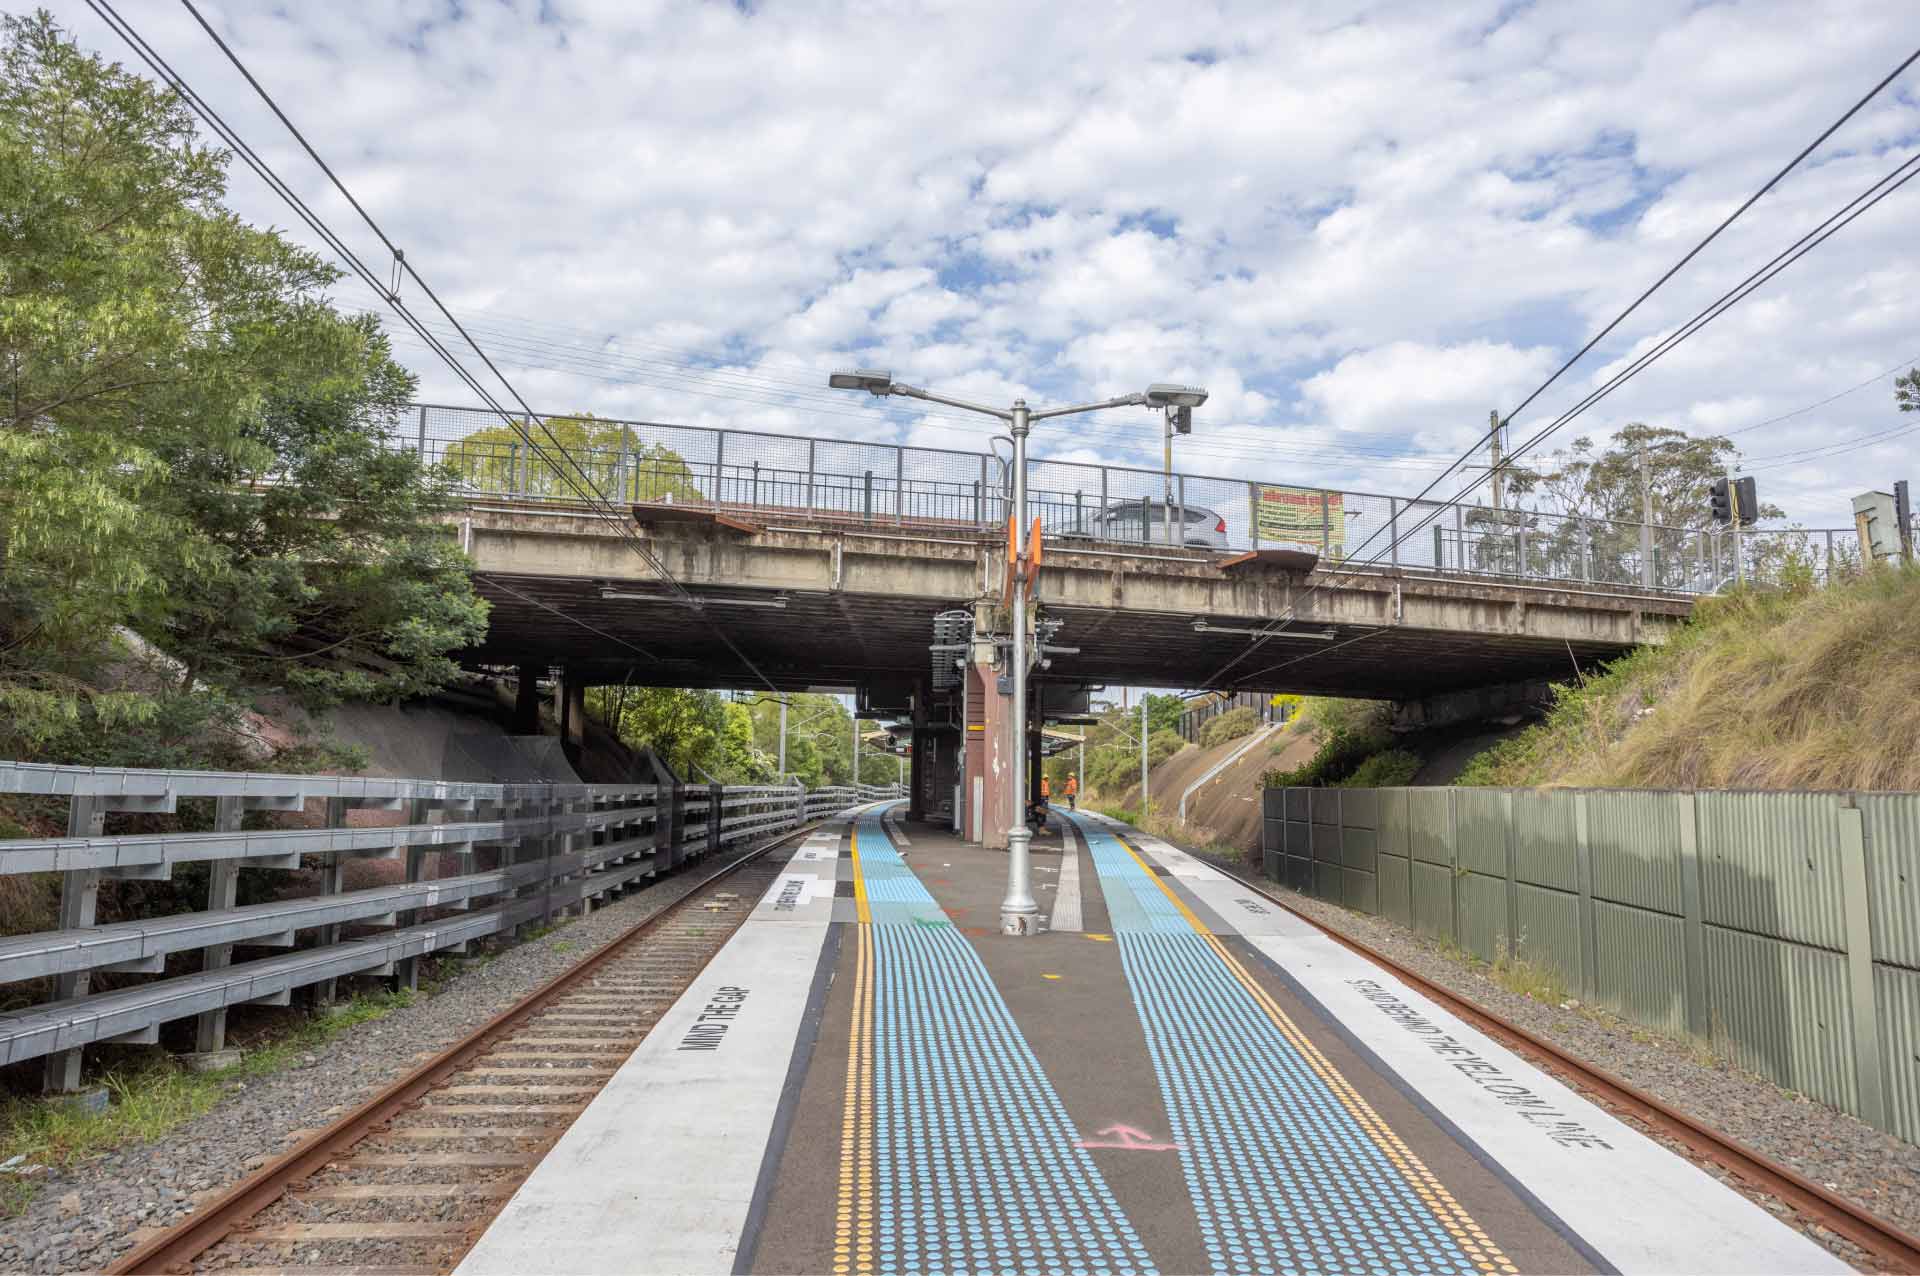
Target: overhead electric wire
1859, 204
1893, 181
1784, 460
597, 496
125, 30
162, 68
1832, 398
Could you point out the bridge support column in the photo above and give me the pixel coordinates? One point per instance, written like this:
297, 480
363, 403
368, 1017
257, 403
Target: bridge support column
990, 788
920, 755
572, 710
526, 702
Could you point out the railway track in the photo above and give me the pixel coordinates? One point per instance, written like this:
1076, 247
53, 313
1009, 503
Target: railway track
1892, 1249
407, 1181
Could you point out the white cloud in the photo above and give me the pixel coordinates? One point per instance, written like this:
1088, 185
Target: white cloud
1361, 224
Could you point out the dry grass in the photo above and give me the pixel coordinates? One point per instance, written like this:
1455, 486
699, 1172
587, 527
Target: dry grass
1817, 689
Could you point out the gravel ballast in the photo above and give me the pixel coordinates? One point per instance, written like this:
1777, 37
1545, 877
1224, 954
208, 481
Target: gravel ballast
85, 1216
1869, 1167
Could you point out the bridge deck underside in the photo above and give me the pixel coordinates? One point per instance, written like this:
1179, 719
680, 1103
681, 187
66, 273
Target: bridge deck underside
839, 638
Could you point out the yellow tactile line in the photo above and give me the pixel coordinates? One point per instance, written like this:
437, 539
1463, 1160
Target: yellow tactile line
1452, 1216
853, 1212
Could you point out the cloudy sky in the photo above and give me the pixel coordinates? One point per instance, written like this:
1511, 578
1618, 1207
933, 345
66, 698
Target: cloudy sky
1361, 225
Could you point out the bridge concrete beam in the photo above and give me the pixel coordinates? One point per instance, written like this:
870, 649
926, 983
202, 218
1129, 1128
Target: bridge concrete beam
859, 602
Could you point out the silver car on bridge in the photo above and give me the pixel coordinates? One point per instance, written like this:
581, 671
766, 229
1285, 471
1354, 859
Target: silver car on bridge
1145, 522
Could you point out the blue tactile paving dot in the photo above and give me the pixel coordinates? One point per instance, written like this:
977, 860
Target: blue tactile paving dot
1281, 1174
963, 1110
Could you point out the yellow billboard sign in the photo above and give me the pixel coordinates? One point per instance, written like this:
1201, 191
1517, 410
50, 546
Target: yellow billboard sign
1303, 516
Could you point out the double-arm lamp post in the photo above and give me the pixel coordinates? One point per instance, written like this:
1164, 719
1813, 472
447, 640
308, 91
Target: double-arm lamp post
1019, 912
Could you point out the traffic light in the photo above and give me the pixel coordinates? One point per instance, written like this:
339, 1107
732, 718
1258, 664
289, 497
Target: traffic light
1722, 502
1745, 504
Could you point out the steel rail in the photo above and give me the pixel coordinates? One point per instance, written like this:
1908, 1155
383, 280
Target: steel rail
175, 1249
1897, 1250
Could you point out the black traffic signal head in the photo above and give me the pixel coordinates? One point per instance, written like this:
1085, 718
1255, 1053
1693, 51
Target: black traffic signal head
1722, 500
1746, 504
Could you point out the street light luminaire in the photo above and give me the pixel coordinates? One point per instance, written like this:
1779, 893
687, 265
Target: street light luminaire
1165, 394
877, 383
1019, 911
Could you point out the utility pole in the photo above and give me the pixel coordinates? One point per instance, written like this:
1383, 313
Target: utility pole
1903, 515
1739, 558
1646, 519
1494, 474
854, 704
783, 735
1019, 911
1143, 755
1166, 469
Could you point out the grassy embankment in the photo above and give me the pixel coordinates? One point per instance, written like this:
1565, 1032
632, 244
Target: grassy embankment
1796, 689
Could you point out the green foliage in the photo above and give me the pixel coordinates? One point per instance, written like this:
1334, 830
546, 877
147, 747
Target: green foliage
1605, 484
330, 577
1162, 745
1349, 731
1761, 690
497, 459
1230, 725
1387, 769
1906, 391
1163, 714
738, 741
191, 481
692, 731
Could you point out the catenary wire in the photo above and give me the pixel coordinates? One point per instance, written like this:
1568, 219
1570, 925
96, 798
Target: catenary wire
591, 492
1887, 185
1806, 243
104, 9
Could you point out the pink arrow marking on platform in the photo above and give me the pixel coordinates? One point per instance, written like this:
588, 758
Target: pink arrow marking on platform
1129, 1139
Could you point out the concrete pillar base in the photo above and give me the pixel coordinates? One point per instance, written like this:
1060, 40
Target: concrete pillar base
1020, 924
88, 1102
209, 1060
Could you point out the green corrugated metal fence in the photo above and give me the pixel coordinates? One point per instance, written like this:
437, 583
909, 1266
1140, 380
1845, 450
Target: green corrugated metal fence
1783, 927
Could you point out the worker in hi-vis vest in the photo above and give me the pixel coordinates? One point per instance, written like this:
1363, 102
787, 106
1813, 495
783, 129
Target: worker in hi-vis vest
1046, 790
1073, 790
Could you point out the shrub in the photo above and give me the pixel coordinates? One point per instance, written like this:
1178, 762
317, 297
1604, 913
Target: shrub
1384, 770
1350, 731
1162, 745
1230, 725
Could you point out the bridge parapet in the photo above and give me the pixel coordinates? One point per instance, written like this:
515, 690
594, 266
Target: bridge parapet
935, 491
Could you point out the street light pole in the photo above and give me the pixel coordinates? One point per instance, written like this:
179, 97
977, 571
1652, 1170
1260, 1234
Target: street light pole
1019, 912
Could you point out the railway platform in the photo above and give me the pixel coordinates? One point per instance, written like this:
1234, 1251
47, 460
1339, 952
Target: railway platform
1178, 1076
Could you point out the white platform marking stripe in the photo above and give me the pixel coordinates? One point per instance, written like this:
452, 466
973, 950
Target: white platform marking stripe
1641, 1207
658, 1173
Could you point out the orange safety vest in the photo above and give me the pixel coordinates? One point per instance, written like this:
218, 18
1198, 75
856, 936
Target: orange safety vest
1073, 786
1044, 790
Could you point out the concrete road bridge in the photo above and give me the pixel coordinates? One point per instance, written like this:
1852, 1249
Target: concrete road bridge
723, 558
